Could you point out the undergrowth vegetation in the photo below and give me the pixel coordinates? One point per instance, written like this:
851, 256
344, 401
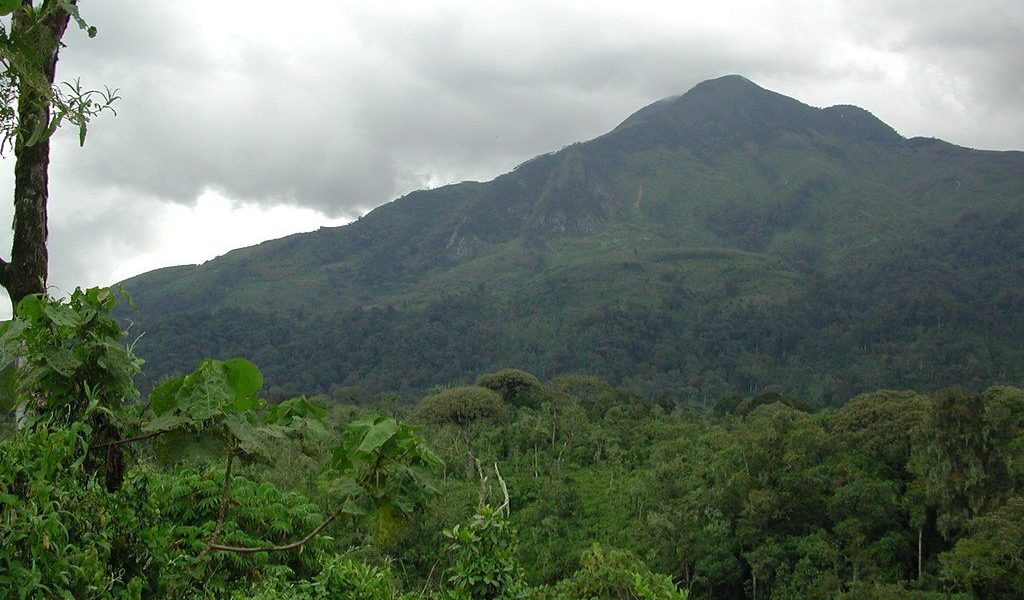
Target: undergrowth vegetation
512, 488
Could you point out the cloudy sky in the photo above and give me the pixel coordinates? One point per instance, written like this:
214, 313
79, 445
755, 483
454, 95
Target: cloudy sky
248, 120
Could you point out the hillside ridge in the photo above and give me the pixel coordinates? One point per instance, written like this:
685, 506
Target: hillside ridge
779, 221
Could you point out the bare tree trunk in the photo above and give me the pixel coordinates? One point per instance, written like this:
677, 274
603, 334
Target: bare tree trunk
26, 272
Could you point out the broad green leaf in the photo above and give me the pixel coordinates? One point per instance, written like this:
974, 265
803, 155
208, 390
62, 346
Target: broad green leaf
62, 314
378, 435
363, 423
10, 340
164, 396
343, 487
313, 410
244, 403
30, 307
165, 422
205, 392
63, 361
357, 505
250, 438
100, 297
404, 503
356, 431
299, 406
244, 379
340, 459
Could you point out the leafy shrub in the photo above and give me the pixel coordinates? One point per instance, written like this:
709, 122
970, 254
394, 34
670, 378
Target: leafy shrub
345, 579
613, 575
484, 565
340, 578
63, 534
860, 590
73, 356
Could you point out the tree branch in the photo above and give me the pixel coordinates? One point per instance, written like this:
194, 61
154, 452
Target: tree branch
225, 499
5, 275
284, 548
137, 438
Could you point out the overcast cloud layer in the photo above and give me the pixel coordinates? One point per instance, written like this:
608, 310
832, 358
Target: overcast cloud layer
247, 120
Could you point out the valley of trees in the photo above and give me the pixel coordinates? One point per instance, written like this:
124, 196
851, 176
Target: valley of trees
941, 311
508, 488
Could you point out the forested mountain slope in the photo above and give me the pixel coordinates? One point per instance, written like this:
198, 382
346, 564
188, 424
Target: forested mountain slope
724, 241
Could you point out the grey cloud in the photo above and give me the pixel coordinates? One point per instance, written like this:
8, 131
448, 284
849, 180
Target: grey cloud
425, 94
965, 57
387, 100
454, 92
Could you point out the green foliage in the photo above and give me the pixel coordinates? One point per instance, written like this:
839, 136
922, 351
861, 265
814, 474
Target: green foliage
965, 455
218, 400
338, 578
381, 471
346, 579
63, 535
25, 49
610, 574
483, 558
989, 561
759, 499
582, 389
260, 515
893, 591
460, 406
517, 388
74, 360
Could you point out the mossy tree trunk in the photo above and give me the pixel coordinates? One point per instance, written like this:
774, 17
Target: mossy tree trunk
26, 271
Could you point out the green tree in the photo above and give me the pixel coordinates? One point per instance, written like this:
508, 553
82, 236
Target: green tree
73, 368
31, 109
964, 456
990, 561
516, 387
484, 564
461, 407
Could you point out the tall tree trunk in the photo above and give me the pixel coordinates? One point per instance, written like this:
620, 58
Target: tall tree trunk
26, 272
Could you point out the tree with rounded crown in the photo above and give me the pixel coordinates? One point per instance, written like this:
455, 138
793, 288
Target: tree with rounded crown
461, 407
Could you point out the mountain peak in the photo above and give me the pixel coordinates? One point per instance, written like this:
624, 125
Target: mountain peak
726, 111
726, 83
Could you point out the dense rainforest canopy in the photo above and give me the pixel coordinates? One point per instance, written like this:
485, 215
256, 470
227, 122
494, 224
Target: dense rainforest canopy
511, 488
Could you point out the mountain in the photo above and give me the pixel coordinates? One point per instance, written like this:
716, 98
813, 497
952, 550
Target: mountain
724, 241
